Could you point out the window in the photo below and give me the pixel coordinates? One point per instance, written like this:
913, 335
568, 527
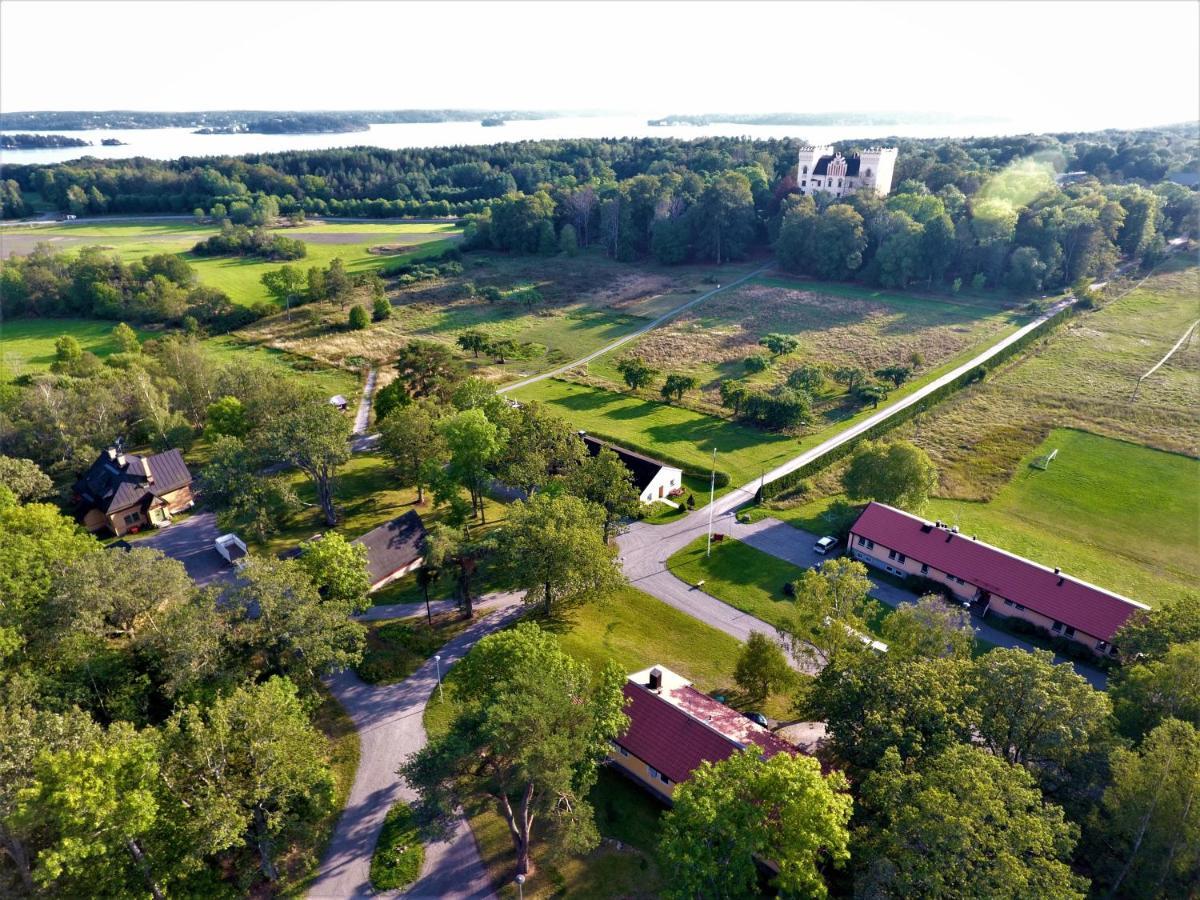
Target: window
862, 540
1057, 626
900, 557
1007, 602
870, 544
868, 173
891, 554
1101, 646
1069, 632
804, 183
839, 182
621, 750
131, 518
924, 569
1018, 606
656, 775
805, 171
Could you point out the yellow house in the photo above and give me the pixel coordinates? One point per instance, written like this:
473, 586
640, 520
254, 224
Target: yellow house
673, 728
990, 579
124, 492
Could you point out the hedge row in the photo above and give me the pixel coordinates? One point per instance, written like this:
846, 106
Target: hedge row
791, 479
723, 479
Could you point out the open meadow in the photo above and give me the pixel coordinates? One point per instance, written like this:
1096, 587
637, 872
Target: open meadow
27, 345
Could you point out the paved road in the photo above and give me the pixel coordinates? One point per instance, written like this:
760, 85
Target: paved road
190, 541
388, 719
360, 441
667, 316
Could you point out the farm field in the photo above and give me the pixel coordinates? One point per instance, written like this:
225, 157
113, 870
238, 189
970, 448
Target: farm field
836, 325
1082, 377
27, 345
238, 276
1119, 515
586, 302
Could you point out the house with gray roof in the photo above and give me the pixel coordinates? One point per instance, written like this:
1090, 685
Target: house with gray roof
126, 492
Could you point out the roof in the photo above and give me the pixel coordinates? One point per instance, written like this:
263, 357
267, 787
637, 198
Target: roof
393, 545
678, 727
644, 468
338, 400
118, 481
1055, 595
852, 164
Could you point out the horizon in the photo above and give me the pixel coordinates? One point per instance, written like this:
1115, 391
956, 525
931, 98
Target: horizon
511, 57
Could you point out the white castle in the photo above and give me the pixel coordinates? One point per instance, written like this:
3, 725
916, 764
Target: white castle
824, 171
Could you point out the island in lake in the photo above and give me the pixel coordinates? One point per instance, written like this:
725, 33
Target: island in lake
491, 122
39, 141
254, 121
113, 142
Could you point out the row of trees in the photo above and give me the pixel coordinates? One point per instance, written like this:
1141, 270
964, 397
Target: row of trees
237, 240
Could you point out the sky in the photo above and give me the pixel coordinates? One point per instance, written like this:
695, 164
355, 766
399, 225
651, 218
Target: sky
1095, 64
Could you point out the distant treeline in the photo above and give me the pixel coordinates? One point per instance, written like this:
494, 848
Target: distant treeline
296, 123
39, 141
821, 118
120, 118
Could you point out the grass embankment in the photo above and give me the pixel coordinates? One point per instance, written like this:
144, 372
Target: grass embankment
636, 631
399, 854
1119, 515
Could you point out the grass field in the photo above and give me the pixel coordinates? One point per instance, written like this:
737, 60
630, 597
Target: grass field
836, 325
1082, 377
1119, 515
27, 345
614, 630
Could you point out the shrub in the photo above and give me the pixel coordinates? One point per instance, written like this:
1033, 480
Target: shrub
358, 318
757, 362
399, 854
382, 309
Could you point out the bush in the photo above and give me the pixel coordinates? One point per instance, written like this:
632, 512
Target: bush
399, 854
382, 309
358, 318
757, 362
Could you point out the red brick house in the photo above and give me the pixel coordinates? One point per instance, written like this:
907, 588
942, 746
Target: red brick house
993, 580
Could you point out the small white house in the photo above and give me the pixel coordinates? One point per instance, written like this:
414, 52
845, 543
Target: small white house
654, 479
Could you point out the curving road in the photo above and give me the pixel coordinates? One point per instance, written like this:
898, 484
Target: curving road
389, 723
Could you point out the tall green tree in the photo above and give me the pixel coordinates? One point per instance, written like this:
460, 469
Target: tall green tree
608, 483
126, 338
427, 369
540, 446
761, 667
677, 385
1149, 634
410, 437
453, 551
779, 344
1146, 693
338, 568
929, 629
729, 815
1146, 834
833, 606
838, 243
474, 445
552, 546
636, 372
315, 438
247, 767
966, 824
473, 340
24, 478
897, 473
533, 727
245, 502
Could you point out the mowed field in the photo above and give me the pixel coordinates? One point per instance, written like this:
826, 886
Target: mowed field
1082, 377
835, 325
1122, 516
240, 277
27, 345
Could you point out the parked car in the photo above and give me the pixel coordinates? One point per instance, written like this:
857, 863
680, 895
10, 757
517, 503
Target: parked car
757, 718
232, 548
825, 545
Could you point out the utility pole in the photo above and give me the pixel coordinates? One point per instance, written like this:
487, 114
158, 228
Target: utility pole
712, 490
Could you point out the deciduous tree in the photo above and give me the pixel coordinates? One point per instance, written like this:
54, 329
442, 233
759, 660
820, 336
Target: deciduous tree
636, 372
762, 668
410, 437
929, 629
315, 438
607, 482
474, 445
897, 473
678, 385
338, 568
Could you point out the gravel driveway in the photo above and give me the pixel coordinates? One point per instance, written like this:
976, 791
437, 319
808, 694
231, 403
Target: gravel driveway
190, 541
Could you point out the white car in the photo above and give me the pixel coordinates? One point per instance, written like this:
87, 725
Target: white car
825, 545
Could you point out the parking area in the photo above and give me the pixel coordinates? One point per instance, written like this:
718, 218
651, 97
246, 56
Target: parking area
190, 541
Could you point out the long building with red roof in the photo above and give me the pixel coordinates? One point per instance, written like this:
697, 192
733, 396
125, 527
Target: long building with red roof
992, 579
673, 728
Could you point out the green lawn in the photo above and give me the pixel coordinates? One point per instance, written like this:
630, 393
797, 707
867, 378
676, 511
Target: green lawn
1119, 515
398, 855
227, 348
397, 647
27, 345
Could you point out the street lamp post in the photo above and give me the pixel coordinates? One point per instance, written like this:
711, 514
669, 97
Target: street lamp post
712, 490
441, 694
521, 887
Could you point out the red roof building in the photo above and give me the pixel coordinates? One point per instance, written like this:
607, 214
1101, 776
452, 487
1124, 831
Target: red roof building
673, 728
995, 580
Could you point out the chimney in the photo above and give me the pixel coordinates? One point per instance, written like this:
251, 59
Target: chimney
656, 679
1057, 570
112, 452
120, 458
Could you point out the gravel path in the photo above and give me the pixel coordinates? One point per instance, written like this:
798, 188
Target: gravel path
388, 719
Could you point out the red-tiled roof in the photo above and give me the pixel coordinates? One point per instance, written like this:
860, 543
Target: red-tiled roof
1075, 603
675, 739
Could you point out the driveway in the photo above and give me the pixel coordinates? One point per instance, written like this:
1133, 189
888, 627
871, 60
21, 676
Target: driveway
389, 723
190, 541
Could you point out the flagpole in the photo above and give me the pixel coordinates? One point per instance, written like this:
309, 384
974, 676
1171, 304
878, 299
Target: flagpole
712, 489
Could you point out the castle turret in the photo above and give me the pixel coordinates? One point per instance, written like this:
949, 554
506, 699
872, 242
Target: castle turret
808, 159
875, 168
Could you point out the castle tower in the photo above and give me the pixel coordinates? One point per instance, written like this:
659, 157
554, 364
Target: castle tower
875, 168
808, 159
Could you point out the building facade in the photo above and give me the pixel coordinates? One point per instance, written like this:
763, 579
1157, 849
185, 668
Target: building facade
674, 728
991, 579
654, 479
126, 492
821, 170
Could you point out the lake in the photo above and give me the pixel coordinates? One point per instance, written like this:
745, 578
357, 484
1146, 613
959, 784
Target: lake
172, 143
